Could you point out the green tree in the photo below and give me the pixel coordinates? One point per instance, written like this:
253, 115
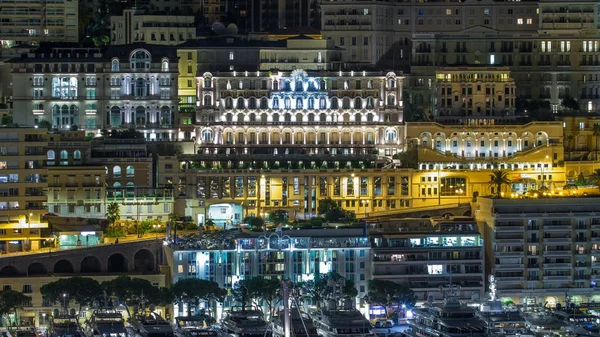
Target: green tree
81, 290
327, 287
255, 223
10, 302
278, 217
7, 120
389, 293
44, 124
499, 178
131, 291
596, 134
259, 289
595, 177
581, 181
327, 205
191, 291
570, 103
113, 214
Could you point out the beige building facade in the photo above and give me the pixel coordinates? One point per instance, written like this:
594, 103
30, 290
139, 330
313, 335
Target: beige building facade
135, 26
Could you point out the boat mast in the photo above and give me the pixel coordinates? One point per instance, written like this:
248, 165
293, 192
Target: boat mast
286, 308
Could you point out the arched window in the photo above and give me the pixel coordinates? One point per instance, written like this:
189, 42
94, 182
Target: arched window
140, 60
130, 171
207, 82
391, 100
130, 190
229, 118
51, 155
140, 115
322, 118
299, 103
299, 86
38, 81
275, 117
117, 172
264, 103
164, 65
117, 184
141, 87
165, 115
252, 103
370, 103
207, 100
391, 135
77, 155
275, 103
322, 103
311, 102
240, 103
228, 103
115, 116
38, 106
64, 155
252, 117
287, 102
357, 103
346, 103
207, 135
287, 117
334, 103
311, 117
114, 65
275, 85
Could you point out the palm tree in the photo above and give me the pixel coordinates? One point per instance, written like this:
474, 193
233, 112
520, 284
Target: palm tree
595, 177
497, 179
596, 133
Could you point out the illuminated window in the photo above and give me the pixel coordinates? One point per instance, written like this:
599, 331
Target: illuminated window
448, 12
519, 21
434, 269
529, 21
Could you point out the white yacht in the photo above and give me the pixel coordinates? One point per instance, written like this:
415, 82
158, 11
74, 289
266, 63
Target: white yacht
107, 323
241, 322
64, 326
150, 324
301, 324
345, 322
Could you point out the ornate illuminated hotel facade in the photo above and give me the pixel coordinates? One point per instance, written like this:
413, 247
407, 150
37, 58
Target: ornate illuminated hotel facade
284, 140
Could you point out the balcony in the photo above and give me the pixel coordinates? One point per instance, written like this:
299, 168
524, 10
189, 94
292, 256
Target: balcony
510, 254
565, 240
557, 278
558, 252
511, 266
510, 278
510, 241
551, 265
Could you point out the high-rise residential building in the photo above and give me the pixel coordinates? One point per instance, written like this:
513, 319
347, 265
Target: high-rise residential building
26, 22
292, 255
542, 250
424, 254
117, 87
139, 26
22, 196
549, 46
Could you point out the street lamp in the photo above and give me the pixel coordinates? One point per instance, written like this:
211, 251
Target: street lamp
156, 227
64, 296
459, 192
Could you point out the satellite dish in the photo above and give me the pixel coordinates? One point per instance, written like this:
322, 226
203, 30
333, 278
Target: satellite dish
232, 29
219, 28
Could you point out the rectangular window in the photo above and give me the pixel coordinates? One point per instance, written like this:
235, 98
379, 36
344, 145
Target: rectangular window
296, 185
231, 56
364, 182
391, 186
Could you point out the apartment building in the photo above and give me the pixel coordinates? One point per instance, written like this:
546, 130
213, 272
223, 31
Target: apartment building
473, 95
296, 255
425, 254
542, 250
135, 26
73, 87
22, 196
26, 22
548, 45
